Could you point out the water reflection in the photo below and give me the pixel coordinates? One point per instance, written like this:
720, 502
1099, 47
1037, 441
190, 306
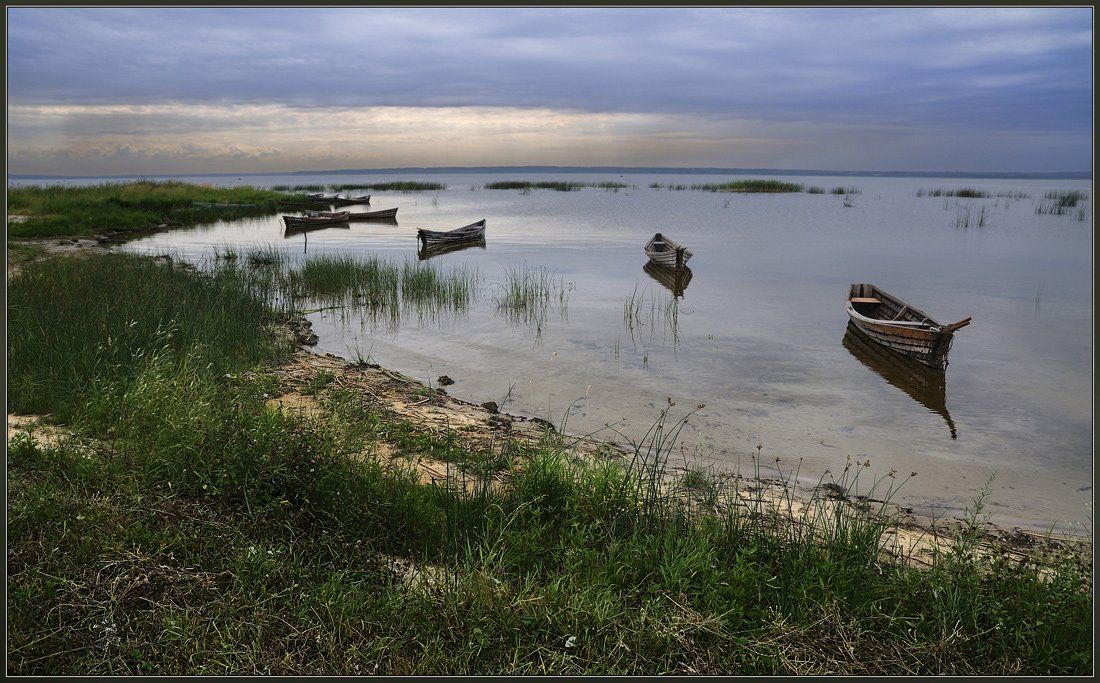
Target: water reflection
304, 230
675, 281
924, 385
428, 251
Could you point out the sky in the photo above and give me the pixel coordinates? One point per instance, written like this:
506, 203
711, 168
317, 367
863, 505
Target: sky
251, 90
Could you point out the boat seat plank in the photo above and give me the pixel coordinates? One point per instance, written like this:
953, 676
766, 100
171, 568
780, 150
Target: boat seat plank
865, 300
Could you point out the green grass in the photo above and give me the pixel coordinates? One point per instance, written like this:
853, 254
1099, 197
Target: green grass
87, 210
78, 325
202, 533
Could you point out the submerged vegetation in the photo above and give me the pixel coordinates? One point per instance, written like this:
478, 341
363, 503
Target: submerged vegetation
188, 527
528, 293
1058, 203
58, 210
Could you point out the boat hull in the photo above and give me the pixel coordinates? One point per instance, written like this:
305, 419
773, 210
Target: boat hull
353, 201
468, 233
292, 222
664, 252
373, 215
891, 323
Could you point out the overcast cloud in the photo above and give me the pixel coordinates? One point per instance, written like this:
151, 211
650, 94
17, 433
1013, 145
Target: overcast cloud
255, 89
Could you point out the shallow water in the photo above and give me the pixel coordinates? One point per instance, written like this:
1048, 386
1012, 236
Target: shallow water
759, 334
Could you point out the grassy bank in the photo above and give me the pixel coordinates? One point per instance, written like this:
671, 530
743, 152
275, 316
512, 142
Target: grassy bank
57, 210
190, 528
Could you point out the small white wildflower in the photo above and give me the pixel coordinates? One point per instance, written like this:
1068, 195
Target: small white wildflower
571, 641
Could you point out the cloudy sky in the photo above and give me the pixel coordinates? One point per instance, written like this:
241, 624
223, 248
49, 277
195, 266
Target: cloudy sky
191, 90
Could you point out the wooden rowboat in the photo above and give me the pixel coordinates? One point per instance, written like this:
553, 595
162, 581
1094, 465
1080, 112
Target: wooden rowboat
344, 201
924, 385
316, 218
665, 252
466, 233
675, 280
891, 322
372, 215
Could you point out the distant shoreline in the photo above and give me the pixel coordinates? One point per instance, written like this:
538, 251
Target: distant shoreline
622, 170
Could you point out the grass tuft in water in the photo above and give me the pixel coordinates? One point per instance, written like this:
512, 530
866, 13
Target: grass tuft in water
749, 186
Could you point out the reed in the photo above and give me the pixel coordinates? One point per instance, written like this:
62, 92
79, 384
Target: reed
965, 192
385, 289
557, 185
405, 186
1060, 202
57, 210
749, 186
528, 294
815, 190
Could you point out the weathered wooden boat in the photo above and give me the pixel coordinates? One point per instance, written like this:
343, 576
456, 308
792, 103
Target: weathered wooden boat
466, 233
427, 251
927, 386
351, 201
664, 252
373, 215
675, 280
316, 218
892, 323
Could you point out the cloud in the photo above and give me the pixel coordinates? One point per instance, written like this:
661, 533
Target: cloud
181, 138
1023, 70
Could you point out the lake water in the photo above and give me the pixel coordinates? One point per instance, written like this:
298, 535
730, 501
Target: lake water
759, 333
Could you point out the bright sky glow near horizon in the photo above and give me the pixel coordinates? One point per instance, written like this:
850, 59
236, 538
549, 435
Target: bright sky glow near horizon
250, 90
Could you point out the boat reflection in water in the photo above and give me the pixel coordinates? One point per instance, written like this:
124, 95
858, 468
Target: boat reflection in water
924, 385
673, 279
427, 251
304, 231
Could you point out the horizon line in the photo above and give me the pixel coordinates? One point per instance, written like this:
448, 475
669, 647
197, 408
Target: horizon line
586, 169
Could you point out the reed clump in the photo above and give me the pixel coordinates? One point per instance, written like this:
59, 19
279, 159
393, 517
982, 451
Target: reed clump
383, 286
966, 192
405, 186
749, 186
1060, 202
557, 185
528, 293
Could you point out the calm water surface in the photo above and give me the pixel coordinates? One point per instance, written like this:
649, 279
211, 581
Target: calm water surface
759, 334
